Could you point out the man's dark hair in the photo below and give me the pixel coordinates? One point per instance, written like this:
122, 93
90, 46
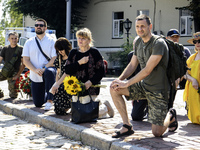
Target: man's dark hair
13, 33
40, 19
144, 17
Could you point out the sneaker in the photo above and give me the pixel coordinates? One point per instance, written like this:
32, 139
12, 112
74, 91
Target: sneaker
110, 109
48, 106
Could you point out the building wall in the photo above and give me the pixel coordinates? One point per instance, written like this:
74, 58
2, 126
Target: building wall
99, 17
28, 21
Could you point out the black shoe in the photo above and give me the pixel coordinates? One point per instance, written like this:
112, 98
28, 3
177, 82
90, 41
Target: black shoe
129, 132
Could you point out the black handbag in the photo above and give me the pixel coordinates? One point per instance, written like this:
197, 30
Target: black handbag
88, 112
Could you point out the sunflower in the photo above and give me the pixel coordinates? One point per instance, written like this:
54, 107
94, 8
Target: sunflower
72, 85
70, 80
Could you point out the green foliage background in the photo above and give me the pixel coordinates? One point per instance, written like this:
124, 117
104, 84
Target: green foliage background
53, 11
122, 56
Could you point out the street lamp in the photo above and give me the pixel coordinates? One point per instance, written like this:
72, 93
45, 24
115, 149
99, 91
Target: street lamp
127, 25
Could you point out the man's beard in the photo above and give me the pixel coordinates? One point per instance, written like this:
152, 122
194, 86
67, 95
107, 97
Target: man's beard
39, 32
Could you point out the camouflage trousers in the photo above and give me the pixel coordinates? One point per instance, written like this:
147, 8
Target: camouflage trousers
11, 85
157, 105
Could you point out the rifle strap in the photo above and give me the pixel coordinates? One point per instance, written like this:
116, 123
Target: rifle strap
15, 56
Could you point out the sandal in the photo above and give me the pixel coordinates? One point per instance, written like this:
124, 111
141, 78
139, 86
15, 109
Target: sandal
129, 132
175, 123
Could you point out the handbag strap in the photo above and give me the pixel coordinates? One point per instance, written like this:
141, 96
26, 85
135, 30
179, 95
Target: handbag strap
38, 44
89, 101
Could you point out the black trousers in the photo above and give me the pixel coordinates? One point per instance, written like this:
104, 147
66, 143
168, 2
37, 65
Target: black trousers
140, 110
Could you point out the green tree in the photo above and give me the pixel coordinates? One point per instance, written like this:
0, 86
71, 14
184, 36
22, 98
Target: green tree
122, 56
15, 17
194, 7
53, 11
14, 20
2, 38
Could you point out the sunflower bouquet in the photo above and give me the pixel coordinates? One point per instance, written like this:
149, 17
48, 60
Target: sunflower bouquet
73, 86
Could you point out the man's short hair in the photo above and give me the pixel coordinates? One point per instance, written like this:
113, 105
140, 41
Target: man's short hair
13, 33
40, 19
144, 17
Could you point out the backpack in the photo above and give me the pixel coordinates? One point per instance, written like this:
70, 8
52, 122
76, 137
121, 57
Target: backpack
177, 66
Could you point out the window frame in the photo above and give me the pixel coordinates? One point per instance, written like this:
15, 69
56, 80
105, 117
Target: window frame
186, 19
116, 30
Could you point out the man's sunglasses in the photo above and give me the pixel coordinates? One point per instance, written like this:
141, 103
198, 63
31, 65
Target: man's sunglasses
195, 41
41, 25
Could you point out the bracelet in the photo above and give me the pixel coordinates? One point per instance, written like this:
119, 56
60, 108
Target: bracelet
44, 67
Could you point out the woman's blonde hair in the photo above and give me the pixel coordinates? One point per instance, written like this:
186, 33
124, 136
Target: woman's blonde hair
86, 33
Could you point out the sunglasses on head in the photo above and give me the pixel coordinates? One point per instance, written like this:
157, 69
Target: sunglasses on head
195, 41
41, 25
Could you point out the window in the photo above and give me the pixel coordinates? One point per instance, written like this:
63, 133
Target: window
139, 12
185, 23
118, 18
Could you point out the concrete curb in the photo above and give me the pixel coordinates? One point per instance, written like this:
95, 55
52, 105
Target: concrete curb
75, 132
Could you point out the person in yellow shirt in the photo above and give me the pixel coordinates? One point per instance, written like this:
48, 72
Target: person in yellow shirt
191, 95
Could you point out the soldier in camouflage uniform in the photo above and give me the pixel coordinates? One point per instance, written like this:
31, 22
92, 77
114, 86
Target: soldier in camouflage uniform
6, 55
148, 84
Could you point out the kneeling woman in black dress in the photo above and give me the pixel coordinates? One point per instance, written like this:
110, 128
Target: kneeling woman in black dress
62, 100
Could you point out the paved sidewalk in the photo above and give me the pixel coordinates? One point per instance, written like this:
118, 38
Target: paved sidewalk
17, 134
98, 134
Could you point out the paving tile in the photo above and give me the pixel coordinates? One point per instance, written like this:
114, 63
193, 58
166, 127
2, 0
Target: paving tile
187, 136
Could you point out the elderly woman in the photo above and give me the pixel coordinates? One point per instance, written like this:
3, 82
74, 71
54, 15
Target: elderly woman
191, 95
86, 63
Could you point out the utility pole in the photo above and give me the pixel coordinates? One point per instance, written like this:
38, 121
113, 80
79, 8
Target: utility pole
68, 18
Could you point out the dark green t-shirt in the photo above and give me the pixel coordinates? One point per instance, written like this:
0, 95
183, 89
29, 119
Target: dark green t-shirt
156, 80
7, 54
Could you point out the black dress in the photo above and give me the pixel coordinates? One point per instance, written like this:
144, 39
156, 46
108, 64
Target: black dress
62, 100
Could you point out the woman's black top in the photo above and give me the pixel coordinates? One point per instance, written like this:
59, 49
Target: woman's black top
93, 70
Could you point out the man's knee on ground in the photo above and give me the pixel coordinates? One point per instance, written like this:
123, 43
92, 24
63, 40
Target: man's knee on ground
38, 104
157, 133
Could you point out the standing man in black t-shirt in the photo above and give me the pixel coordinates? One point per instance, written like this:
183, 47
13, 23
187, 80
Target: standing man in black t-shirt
6, 55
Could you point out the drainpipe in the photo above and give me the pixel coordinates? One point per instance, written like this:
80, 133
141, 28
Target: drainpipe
154, 14
68, 19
